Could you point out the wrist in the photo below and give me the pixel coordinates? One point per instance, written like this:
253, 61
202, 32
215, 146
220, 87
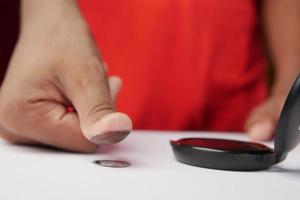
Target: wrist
42, 17
283, 81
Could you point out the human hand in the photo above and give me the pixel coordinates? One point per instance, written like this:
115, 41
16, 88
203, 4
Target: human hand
56, 65
261, 123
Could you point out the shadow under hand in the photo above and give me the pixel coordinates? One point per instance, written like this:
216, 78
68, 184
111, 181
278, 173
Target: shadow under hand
36, 148
44, 149
112, 149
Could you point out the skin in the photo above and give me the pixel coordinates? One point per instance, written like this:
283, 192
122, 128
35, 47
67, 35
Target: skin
282, 28
56, 64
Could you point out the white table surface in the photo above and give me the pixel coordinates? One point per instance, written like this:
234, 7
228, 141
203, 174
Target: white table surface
40, 174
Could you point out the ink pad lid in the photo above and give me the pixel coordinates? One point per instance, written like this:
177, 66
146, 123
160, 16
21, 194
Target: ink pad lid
287, 134
245, 156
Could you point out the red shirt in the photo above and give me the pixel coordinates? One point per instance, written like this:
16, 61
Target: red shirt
186, 64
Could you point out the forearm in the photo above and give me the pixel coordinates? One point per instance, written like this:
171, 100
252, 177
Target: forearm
282, 27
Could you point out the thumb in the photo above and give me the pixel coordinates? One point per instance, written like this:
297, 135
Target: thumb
88, 90
262, 129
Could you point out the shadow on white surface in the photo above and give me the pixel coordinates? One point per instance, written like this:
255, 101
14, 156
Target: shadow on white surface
112, 149
295, 172
41, 149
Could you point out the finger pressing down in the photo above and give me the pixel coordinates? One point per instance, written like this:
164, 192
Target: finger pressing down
261, 123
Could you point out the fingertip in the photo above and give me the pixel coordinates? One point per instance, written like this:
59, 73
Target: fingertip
115, 84
105, 66
261, 131
110, 129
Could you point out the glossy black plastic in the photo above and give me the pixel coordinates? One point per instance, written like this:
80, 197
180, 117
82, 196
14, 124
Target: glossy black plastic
224, 154
245, 156
287, 134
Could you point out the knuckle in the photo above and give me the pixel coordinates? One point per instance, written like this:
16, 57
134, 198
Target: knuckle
82, 73
87, 64
98, 107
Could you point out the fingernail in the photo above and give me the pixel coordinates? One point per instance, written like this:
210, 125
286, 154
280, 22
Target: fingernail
261, 130
111, 128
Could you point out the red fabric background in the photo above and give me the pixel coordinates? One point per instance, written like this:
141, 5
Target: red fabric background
194, 64
186, 64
